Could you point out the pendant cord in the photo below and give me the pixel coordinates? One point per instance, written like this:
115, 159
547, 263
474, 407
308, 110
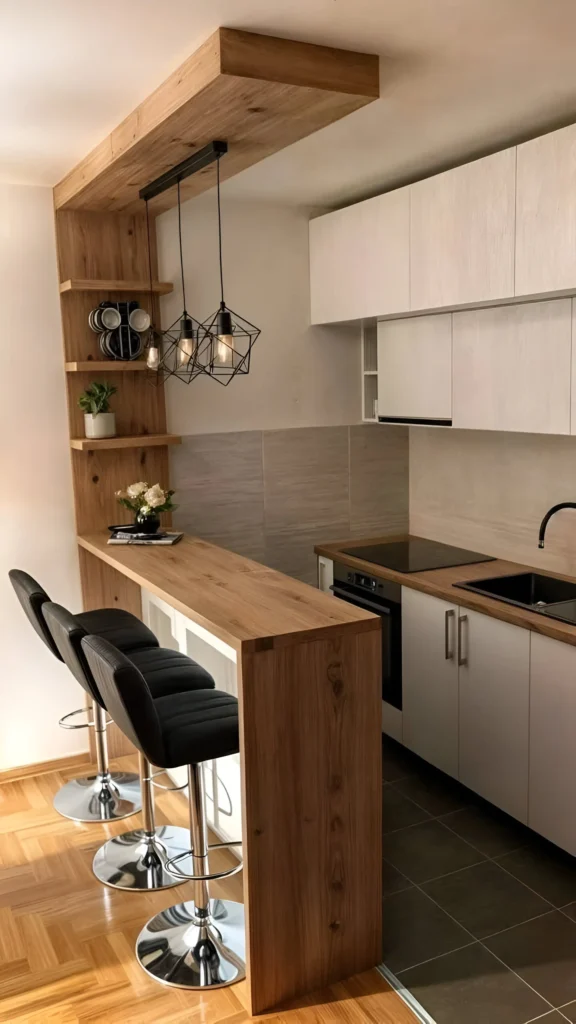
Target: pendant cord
219, 230
180, 244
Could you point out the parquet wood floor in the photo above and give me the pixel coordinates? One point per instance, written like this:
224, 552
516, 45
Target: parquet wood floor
67, 942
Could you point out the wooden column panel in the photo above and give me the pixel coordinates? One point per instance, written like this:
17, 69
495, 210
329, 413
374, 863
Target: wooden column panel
312, 779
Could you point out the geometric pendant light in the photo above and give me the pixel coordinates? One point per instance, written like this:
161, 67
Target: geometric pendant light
225, 339
220, 346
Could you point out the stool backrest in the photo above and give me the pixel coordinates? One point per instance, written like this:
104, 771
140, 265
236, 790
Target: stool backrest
33, 597
126, 696
67, 634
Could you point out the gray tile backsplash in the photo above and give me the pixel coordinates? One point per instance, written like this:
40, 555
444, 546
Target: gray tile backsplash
273, 494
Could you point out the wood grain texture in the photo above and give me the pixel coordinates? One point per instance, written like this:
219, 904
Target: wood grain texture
97, 475
42, 767
243, 603
462, 234
310, 723
85, 285
106, 366
99, 444
258, 92
415, 367
512, 367
67, 942
440, 583
546, 213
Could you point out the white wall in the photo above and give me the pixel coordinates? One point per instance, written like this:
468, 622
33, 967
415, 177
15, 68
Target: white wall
300, 375
37, 527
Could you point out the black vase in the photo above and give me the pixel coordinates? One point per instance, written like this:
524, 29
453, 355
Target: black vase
147, 524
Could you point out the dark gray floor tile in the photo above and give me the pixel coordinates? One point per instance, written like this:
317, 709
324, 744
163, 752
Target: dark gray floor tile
398, 811
393, 880
543, 953
471, 987
484, 899
397, 761
554, 1017
415, 929
489, 830
434, 791
425, 851
569, 1012
546, 869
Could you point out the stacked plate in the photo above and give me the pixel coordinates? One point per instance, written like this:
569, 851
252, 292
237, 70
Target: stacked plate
120, 326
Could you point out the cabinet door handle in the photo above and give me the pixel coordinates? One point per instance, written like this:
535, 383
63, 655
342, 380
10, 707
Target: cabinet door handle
462, 653
448, 647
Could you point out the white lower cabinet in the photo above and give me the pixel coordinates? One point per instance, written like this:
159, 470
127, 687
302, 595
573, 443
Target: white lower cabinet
465, 697
325, 573
494, 696
222, 776
430, 679
552, 806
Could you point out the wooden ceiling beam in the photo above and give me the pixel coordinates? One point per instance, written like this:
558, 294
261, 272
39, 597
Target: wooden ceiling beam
257, 92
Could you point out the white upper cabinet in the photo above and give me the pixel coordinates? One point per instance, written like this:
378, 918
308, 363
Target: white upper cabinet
359, 264
415, 368
546, 213
512, 367
462, 234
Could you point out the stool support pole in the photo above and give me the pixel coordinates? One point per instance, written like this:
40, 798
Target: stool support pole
199, 836
147, 790
101, 742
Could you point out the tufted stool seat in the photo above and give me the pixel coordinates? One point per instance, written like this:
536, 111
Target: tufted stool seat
198, 944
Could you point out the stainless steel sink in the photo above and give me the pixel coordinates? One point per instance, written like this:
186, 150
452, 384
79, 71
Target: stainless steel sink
545, 594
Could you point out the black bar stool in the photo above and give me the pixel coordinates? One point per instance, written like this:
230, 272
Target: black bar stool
199, 944
136, 859
107, 796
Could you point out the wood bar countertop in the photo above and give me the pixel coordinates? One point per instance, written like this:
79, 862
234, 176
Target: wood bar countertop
244, 603
440, 583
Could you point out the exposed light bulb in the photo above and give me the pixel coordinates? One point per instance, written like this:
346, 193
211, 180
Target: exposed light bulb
186, 341
225, 347
153, 358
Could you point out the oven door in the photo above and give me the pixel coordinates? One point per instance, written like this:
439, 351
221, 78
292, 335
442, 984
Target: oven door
391, 615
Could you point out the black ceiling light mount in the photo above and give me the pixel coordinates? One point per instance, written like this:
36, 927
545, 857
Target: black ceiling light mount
226, 339
220, 346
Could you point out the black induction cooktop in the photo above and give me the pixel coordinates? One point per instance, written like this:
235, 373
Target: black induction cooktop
416, 554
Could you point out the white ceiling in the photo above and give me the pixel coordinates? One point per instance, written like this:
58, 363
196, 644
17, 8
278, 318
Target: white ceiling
461, 77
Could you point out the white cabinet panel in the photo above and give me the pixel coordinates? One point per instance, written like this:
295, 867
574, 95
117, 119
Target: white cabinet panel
512, 366
546, 213
494, 684
415, 367
462, 234
430, 679
552, 806
359, 265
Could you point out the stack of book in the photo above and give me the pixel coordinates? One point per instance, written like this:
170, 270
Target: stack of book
130, 535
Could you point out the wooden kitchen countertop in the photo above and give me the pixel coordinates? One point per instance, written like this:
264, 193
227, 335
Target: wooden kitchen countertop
439, 583
244, 603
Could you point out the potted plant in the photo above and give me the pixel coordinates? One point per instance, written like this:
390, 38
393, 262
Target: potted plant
146, 503
95, 403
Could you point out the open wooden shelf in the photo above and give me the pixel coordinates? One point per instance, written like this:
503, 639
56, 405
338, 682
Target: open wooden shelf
78, 284
97, 444
106, 366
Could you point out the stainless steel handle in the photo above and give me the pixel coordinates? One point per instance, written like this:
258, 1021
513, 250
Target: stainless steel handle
462, 657
448, 648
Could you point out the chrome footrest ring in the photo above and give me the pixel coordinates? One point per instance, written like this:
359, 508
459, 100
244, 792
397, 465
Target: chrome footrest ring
214, 876
63, 723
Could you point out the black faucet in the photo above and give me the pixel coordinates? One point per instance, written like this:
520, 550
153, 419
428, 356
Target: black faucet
552, 511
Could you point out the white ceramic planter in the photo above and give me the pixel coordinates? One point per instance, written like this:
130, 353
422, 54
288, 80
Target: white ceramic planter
101, 424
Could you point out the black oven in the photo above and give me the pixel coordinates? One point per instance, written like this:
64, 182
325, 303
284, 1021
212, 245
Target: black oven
385, 599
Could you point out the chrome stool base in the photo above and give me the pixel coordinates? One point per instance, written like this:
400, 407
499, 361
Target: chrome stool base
189, 948
105, 797
137, 860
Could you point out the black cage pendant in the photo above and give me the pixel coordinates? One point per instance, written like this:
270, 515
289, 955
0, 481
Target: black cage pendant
173, 353
225, 340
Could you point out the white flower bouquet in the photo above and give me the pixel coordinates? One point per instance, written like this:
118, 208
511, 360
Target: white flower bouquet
146, 502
